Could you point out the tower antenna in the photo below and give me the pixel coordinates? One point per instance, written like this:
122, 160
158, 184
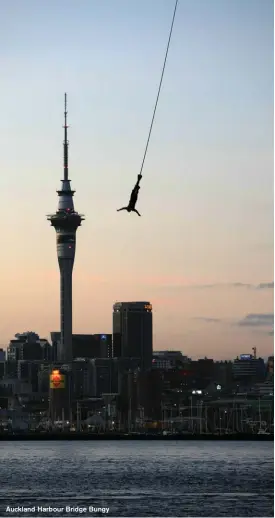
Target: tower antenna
66, 143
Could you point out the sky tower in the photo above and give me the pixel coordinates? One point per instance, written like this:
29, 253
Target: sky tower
66, 222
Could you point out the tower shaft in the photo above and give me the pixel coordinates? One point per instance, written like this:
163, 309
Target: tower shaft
65, 352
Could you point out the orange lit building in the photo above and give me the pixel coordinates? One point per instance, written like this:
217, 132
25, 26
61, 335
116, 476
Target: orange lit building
60, 391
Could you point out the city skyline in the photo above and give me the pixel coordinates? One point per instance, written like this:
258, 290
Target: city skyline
202, 252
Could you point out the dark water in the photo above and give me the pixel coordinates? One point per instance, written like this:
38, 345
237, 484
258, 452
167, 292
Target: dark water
138, 478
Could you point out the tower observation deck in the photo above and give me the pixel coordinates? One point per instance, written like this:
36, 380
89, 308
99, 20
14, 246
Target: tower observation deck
65, 222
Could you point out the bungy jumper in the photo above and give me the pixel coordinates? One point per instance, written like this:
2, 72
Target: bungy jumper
131, 207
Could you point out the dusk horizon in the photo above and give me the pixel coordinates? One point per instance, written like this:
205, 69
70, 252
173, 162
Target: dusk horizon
202, 250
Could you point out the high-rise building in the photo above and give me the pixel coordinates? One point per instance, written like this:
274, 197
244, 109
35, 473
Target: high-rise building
28, 371
83, 383
26, 346
87, 346
248, 369
2, 369
65, 222
168, 359
60, 396
150, 386
133, 332
270, 366
105, 375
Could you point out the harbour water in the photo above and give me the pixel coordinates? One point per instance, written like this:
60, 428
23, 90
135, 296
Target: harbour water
137, 478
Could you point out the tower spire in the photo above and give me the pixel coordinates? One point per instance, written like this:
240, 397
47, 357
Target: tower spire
65, 143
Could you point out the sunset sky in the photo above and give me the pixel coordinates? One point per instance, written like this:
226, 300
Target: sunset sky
202, 252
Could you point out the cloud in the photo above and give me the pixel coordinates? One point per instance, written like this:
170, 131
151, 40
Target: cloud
265, 286
202, 286
257, 320
209, 320
241, 285
249, 286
